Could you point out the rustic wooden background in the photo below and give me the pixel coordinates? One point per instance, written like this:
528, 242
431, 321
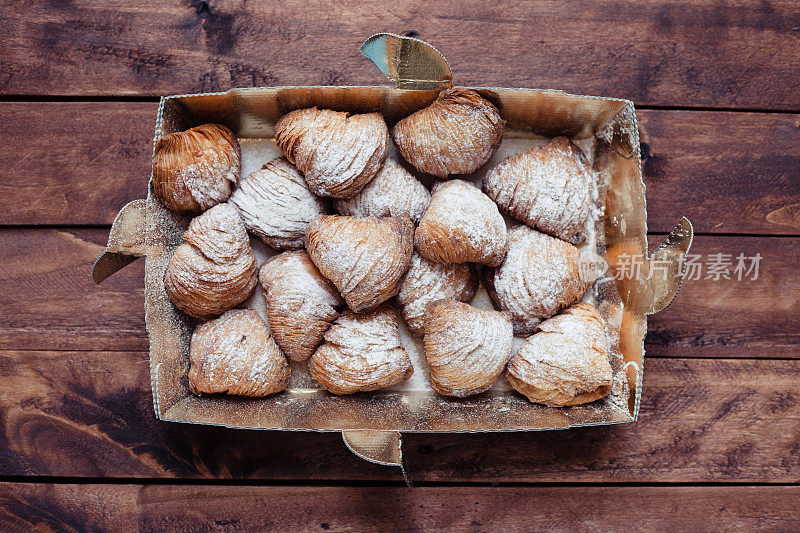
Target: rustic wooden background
717, 87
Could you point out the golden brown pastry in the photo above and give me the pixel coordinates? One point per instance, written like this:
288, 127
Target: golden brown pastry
215, 269
276, 204
197, 168
426, 282
539, 277
456, 134
461, 225
466, 347
566, 362
363, 257
361, 352
548, 188
393, 192
234, 354
301, 303
338, 153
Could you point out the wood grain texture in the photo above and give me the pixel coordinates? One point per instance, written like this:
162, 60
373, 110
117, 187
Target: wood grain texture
49, 301
730, 54
79, 163
48, 297
91, 414
726, 172
73, 162
728, 317
204, 508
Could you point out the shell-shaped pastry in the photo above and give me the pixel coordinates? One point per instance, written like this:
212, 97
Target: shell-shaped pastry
196, 169
393, 192
539, 277
461, 225
215, 269
466, 347
549, 188
363, 257
426, 282
276, 204
566, 362
338, 153
361, 352
235, 354
456, 134
301, 303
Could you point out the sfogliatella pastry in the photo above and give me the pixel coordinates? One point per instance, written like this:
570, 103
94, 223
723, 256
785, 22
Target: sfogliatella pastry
393, 192
301, 303
566, 362
215, 269
276, 204
363, 257
234, 354
466, 347
456, 134
338, 153
548, 188
361, 352
461, 225
196, 169
539, 277
426, 282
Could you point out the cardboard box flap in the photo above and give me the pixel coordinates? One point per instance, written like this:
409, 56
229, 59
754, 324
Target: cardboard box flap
408, 62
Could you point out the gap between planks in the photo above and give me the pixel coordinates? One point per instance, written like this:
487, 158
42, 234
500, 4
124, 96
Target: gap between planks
66, 98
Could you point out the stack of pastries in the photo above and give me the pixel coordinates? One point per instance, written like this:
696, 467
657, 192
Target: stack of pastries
360, 237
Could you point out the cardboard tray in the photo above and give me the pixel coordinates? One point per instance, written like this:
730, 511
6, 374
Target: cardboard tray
372, 423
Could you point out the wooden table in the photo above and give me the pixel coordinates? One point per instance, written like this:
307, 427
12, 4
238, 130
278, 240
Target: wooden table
717, 445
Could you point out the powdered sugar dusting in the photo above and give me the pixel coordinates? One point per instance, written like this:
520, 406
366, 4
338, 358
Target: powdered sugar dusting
539, 277
393, 192
215, 269
467, 348
364, 257
461, 225
456, 134
338, 153
196, 169
235, 354
361, 352
300, 302
256, 152
276, 204
567, 362
548, 188
427, 281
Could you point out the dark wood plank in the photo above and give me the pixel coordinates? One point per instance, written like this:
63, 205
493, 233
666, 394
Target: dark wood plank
728, 317
202, 508
730, 54
727, 172
49, 301
71, 162
91, 414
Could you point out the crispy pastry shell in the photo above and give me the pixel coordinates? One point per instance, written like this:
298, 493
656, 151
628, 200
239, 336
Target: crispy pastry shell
456, 134
566, 362
235, 354
196, 169
215, 269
